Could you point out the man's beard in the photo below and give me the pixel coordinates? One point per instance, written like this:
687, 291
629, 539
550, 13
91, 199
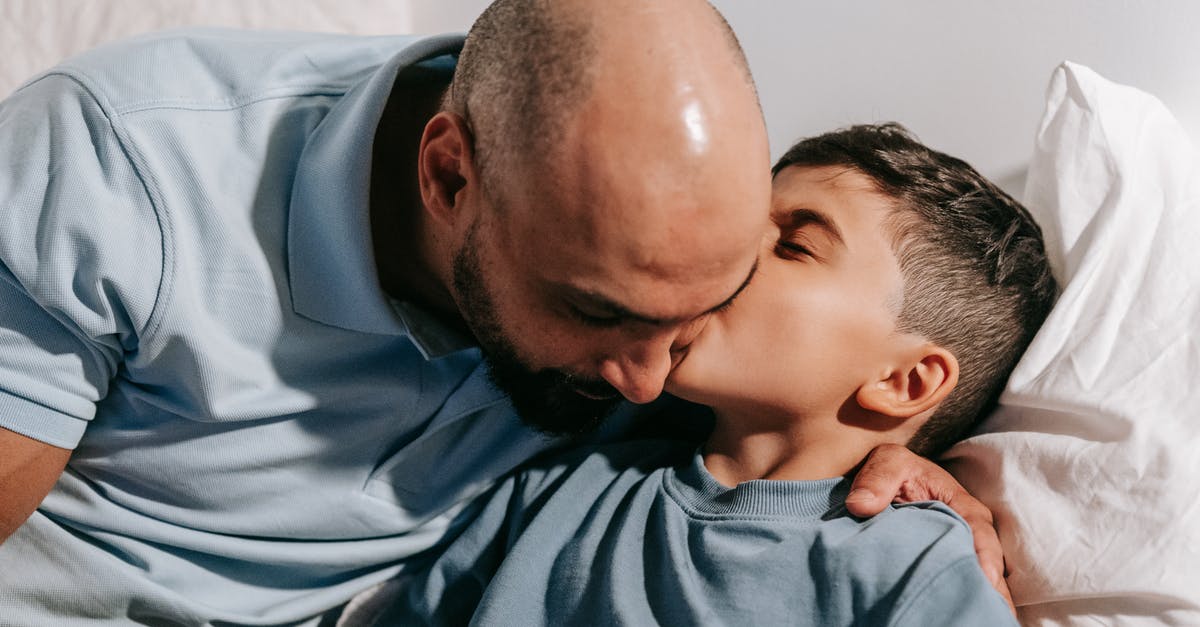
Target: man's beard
544, 399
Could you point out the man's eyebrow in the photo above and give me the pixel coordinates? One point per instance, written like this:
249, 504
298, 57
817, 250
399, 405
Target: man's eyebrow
797, 218
617, 310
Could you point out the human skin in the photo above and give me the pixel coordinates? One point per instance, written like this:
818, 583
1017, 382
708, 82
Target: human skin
808, 371
604, 255
610, 254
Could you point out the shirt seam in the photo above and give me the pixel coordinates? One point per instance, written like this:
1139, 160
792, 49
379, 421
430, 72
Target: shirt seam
128, 149
229, 104
692, 512
69, 420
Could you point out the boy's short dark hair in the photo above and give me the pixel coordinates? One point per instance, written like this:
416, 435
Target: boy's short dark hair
976, 278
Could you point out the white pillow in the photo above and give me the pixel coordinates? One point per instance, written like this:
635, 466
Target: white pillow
1092, 462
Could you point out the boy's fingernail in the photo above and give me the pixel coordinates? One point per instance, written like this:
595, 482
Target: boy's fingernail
860, 494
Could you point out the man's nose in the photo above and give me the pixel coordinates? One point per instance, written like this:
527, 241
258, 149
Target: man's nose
639, 371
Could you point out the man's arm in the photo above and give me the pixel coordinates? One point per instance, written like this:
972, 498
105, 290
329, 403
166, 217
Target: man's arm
28, 469
81, 258
894, 473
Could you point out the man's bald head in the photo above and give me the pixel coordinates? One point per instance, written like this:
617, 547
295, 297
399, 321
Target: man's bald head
599, 179
527, 64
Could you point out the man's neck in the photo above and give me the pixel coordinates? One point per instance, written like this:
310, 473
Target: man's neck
410, 263
788, 449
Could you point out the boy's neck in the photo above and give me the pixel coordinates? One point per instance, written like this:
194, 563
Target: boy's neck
740, 450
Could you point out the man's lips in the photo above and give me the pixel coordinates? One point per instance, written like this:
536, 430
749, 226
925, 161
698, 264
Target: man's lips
595, 391
604, 392
678, 355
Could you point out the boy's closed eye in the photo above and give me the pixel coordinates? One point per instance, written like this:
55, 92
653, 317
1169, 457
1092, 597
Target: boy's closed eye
807, 233
794, 246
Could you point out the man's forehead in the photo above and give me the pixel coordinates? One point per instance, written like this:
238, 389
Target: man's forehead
601, 243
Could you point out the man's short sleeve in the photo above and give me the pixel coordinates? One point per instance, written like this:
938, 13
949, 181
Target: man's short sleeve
81, 258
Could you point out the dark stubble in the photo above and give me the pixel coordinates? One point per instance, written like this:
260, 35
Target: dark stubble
545, 399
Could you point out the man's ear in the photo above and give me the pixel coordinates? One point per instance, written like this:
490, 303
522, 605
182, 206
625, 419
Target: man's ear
445, 165
912, 387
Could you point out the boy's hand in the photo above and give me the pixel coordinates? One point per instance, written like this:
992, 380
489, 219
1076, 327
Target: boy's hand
893, 473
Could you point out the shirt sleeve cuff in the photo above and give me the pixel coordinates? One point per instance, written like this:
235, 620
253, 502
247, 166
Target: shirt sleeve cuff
39, 422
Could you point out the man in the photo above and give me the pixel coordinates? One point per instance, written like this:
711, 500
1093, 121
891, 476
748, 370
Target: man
244, 277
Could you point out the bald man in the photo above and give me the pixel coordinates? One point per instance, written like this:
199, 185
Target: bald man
270, 300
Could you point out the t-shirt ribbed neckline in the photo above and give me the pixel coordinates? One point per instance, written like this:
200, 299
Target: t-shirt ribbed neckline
700, 494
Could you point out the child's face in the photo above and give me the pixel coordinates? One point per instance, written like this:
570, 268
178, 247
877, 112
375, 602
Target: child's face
818, 319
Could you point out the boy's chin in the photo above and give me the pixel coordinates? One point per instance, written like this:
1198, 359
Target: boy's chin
689, 388
693, 376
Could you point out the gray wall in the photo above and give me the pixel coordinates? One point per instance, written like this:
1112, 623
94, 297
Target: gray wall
966, 75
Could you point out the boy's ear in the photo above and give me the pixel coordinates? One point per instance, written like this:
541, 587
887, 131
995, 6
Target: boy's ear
912, 387
445, 165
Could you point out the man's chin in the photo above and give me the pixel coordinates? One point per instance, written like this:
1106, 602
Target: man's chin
562, 412
549, 402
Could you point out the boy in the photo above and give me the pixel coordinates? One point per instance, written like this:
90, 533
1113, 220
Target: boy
889, 306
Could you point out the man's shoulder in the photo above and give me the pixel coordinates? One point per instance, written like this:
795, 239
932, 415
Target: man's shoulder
211, 68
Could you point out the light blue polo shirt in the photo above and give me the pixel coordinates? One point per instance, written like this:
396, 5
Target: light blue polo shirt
189, 299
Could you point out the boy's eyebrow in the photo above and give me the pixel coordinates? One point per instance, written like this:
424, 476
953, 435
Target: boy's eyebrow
617, 310
801, 217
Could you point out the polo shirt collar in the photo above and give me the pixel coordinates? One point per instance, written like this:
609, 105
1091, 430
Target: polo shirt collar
331, 262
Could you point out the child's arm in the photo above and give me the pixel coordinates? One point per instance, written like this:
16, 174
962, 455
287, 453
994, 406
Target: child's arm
942, 582
893, 473
958, 596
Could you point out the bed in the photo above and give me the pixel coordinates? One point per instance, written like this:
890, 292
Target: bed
1092, 463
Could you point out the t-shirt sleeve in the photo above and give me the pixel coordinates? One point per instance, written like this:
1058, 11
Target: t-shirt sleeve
958, 596
81, 258
944, 585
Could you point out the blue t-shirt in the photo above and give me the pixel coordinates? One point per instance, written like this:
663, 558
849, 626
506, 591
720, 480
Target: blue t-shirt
189, 299
640, 533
